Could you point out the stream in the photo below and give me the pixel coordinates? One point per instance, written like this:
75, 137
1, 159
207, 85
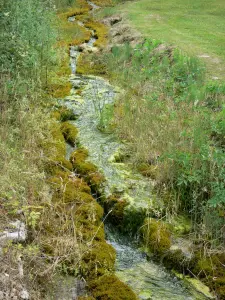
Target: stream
147, 279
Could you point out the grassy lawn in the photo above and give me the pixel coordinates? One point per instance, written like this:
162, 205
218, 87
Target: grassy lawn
195, 26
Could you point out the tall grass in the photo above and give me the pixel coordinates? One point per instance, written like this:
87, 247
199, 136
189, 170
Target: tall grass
172, 119
27, 56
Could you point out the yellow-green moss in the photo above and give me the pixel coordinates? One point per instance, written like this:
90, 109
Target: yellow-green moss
57, 165
117, 206
156, 236
109, 287
86, 169
55, 147
99, 259
211, 270
79, 155
63, 114
148, 170
59, 90
88, 232
69, 132
68, 190
103, 2
101, 32
91, 211
89, 64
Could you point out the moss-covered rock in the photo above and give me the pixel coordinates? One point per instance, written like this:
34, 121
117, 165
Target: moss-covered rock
57, 166
63, 114
116, 205
210, 268
69, 132
98, 260
55, 147
156, 236
89, 64
109, 287
86, 169
91, 212
68, 190
175, 260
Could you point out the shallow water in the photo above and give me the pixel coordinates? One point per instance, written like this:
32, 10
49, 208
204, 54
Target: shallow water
148, 279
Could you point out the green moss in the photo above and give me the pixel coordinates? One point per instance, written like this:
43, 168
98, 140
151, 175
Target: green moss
86, 169
55, 147
156, 236
78, 156
99, 259
56, 115
89, 64
57, 166
211, 270
69, 132
95, 180
68, 190
90, 233
92, 212
175, 260
117, 206
63, 114
109, 287
148, 170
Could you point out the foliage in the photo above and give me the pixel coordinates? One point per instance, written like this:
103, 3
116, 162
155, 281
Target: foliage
173, 122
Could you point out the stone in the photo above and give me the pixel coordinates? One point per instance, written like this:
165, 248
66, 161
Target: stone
16, 232
24, 295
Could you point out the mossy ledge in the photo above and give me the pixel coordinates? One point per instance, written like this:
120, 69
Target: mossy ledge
72, 202
87, 169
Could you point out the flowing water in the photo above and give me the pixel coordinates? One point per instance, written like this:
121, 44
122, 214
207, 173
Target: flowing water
147, 279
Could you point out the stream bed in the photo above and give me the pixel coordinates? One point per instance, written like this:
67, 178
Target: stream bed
147, 279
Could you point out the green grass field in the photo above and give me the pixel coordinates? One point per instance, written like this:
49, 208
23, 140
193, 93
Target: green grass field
195, 26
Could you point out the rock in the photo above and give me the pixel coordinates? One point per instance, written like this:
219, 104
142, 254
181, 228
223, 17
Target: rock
24, 295
16, 232
2, 295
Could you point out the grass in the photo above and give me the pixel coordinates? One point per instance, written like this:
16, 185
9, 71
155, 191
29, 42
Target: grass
170, 118
195, 26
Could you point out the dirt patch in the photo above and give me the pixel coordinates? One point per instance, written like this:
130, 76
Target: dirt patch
120, 32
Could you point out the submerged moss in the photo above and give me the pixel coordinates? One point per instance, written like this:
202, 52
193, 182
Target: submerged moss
69, 132
156, 236
109, 287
